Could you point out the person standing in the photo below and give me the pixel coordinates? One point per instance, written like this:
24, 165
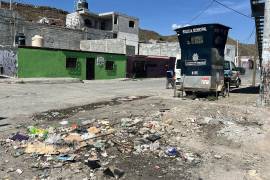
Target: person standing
170, 78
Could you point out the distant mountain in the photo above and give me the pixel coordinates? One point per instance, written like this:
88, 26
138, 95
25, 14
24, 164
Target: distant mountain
146, 35
244, 49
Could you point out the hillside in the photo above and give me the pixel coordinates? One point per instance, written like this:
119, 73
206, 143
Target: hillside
35, 13
244, 49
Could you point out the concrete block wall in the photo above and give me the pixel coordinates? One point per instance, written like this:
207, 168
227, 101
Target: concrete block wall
6, 27
123, 24
107, 46
130, 40
74, 21
54, 37
172, 49
160, 49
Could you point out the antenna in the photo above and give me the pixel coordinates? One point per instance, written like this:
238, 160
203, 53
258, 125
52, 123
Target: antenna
75, 5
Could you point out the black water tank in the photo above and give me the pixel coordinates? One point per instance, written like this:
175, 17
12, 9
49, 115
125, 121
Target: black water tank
20, 39
82, 4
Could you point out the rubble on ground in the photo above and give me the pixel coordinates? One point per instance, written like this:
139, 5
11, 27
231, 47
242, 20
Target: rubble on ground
166, 140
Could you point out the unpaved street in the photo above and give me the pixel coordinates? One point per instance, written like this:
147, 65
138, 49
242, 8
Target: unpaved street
132, 130
22, 100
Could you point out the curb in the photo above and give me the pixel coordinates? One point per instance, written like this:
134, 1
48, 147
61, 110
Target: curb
40, 81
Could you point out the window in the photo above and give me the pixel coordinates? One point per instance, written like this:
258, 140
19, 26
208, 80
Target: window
103, 25
178, 64
115, 19
1, 70
219, 40
71, 63
131, 24
233, 66
228, 52
193, 40
96, 24
88, 23
226, 65
109, 65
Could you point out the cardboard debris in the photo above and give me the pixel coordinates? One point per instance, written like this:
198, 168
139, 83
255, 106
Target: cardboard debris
93, 130
40, 148
73, 137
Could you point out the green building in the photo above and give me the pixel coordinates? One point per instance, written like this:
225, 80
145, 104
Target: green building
47, 62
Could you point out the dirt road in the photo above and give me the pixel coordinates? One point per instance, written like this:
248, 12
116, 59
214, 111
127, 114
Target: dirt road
146, 137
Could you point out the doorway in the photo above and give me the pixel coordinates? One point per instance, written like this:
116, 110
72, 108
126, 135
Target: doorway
90, 68
140, 69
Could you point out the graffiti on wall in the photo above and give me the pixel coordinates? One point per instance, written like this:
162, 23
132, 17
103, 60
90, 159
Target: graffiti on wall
8, 62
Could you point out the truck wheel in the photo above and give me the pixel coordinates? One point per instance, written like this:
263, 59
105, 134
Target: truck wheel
189, 93
237, 84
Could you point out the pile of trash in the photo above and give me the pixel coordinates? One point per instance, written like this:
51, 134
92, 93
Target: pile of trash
93, 143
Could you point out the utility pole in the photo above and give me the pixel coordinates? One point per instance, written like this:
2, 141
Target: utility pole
10, 4
266, 55
14, 29
254, 67
237, 53
254, 71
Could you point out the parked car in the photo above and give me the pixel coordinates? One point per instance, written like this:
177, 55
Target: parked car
241, 70
231, 74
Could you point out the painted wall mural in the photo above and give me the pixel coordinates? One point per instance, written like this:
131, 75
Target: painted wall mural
8, 62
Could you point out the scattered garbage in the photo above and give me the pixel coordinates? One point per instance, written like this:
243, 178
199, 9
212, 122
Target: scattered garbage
218, 156
172, 151
42, 133
64, 122
93, 164
66, 157
19, 171
19, 137
114, 172
89, 142
93, 130
40, 148
153, 137
53, 139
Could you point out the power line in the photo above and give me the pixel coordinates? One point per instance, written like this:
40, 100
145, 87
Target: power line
203, 11
251, 34
224, 5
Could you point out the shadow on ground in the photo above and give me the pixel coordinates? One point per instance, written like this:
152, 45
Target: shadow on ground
247, 90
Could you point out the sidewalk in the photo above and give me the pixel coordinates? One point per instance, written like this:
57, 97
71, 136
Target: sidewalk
39, 80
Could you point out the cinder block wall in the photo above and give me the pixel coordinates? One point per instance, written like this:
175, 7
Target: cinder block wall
54, 37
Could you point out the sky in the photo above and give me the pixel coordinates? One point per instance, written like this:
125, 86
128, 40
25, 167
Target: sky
164, 15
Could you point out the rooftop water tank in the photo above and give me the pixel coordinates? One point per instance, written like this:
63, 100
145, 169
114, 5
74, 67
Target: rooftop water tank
37, 41
82, 5
20, 39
